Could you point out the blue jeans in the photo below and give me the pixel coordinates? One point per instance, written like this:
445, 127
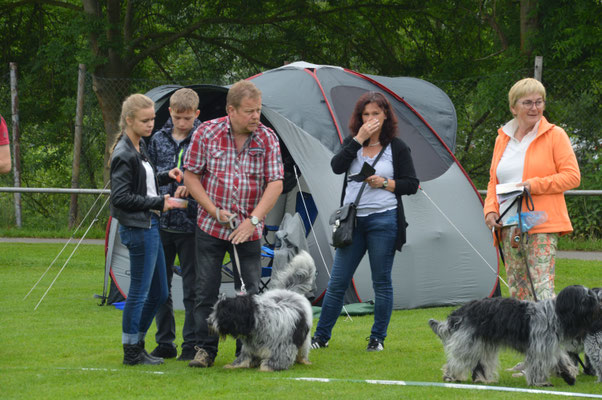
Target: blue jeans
148, 281
375, 233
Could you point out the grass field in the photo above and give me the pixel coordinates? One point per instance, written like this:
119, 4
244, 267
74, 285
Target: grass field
70, 347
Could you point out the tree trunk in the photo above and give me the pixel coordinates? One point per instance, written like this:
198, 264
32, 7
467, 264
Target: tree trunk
110, 93
528, 25
110, 80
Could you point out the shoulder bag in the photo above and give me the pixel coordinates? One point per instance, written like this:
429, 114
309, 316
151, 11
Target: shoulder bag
343, 219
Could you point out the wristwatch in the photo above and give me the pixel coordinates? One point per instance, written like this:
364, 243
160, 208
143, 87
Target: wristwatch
385, 183
254, 220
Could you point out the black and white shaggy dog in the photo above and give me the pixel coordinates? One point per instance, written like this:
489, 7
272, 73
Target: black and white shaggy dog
473, 335
591, 345
274, 327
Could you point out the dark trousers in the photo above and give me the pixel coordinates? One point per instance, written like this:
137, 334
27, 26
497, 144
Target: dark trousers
210, 252
182, 245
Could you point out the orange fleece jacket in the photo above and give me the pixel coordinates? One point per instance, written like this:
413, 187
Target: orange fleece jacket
550, 167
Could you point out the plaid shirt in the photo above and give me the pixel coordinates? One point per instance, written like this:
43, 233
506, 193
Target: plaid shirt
233, 181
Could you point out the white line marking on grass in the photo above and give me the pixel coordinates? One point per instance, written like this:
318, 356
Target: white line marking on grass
85, 369
112, 370
453, 386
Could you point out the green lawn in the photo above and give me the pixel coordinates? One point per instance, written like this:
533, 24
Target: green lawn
70, 347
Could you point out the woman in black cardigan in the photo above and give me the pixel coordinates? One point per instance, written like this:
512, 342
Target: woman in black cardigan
381, 224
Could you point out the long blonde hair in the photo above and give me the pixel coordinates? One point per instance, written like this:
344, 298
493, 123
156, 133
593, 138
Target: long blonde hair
131, 105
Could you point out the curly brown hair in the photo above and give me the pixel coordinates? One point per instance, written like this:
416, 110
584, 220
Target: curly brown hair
389, 129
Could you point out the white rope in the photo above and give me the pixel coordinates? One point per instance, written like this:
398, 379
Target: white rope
243, 289
71, 255
452, 386
314, 234
463, 237
66, 244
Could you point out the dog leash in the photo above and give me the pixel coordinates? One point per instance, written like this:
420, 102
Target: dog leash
520, 239
232, 222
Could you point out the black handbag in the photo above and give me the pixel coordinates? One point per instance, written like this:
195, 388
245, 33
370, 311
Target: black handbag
343, 224
343, 219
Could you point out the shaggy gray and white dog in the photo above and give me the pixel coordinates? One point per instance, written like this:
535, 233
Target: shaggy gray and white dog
473, 335
274, 327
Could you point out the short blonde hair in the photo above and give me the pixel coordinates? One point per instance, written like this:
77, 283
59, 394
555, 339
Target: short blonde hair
184, 100
239, 91
523, 88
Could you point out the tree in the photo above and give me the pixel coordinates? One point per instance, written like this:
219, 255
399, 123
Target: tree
218, 42
127, 37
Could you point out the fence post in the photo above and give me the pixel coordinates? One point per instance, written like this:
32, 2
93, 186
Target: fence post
14, 96
538, 69
77, 142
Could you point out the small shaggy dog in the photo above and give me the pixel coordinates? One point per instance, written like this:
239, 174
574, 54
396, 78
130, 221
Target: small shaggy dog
274, 327
474, 334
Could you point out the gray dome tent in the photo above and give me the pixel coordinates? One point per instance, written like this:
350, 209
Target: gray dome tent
449, 257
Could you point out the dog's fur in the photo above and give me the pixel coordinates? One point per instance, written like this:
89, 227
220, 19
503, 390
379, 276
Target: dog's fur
274, 327
474, 334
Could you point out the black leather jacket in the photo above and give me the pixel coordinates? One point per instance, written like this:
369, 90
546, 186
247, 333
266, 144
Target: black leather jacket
129, 203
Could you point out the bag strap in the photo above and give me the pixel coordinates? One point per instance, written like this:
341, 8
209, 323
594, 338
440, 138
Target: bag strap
357, 199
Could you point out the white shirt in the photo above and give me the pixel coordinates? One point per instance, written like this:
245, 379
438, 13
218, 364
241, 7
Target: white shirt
373, 200
512, 164
151, 190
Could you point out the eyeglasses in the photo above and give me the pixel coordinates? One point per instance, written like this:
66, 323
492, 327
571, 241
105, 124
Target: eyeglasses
529, 103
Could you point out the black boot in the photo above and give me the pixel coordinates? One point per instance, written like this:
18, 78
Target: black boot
134, 355
147, 355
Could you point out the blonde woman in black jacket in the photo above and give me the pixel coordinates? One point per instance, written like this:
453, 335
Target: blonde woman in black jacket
136, 204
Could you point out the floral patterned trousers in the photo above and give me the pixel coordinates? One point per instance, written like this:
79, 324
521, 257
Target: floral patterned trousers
540, 251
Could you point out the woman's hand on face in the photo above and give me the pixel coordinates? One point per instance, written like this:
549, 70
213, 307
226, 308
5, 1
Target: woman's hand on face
368, 129
491, 221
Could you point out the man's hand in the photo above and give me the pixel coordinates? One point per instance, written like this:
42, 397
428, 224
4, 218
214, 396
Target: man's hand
243, 232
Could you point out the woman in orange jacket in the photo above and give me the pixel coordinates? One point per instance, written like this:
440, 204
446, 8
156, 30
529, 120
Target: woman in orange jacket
531, 152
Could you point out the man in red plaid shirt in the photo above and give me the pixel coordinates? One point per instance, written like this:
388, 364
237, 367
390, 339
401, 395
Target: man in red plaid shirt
5, 162
233, 169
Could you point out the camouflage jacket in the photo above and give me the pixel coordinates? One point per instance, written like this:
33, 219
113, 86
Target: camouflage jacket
166, 154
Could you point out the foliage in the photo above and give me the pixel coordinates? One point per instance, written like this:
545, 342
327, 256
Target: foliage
570, 242
70, 347
473, 50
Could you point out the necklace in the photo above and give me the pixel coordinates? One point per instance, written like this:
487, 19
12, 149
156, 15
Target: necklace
374, 144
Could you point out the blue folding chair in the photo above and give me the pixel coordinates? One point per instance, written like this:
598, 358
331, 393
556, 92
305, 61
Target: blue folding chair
267, 252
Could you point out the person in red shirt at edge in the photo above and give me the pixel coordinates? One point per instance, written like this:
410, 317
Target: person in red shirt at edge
233, 169
5, 162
